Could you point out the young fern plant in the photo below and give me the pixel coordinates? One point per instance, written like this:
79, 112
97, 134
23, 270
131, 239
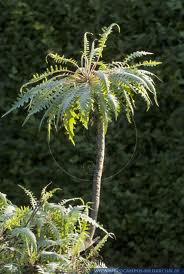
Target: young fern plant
46, 237
69, 92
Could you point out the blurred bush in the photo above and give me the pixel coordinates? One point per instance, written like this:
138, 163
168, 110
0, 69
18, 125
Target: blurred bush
143, 205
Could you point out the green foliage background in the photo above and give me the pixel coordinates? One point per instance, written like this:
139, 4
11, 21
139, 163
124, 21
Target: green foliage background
143, 205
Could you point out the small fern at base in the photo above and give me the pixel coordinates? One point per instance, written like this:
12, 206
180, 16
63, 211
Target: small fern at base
46, 237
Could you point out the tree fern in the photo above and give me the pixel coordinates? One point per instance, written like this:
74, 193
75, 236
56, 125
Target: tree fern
69, 92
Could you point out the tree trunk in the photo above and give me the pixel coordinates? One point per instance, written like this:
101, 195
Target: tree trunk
98, 173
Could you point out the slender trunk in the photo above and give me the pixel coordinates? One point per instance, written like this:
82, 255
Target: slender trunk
98, 173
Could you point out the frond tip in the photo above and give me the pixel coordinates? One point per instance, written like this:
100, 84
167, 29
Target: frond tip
33, 200
106, 31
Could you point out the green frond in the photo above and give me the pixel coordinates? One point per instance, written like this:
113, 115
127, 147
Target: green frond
95, 250
66, 104
149, 73
102, 65
106, 31
17, 218
129, 106
86, 45
84, 97
93, 222
126, 76
92, 55
85, 102
135, 81
69, 122
68, 101
104, 79
34, 92
50, 71
71, 220
134, 55
150, 84
135, 78
44, 100
79, 244
60, 101
21, 100
113, 103
117, 64
33, 200
45, 188
62, 59
27, 235
144, 94
46, 195
54, 229
72, 200
149, 63
49, 74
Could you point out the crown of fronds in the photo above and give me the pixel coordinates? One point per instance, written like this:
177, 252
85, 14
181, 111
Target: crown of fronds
68, 92
47, 236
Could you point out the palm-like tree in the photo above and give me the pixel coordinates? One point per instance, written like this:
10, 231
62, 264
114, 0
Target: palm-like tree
69, 92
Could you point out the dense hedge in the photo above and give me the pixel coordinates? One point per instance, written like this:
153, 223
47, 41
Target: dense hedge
143, 205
